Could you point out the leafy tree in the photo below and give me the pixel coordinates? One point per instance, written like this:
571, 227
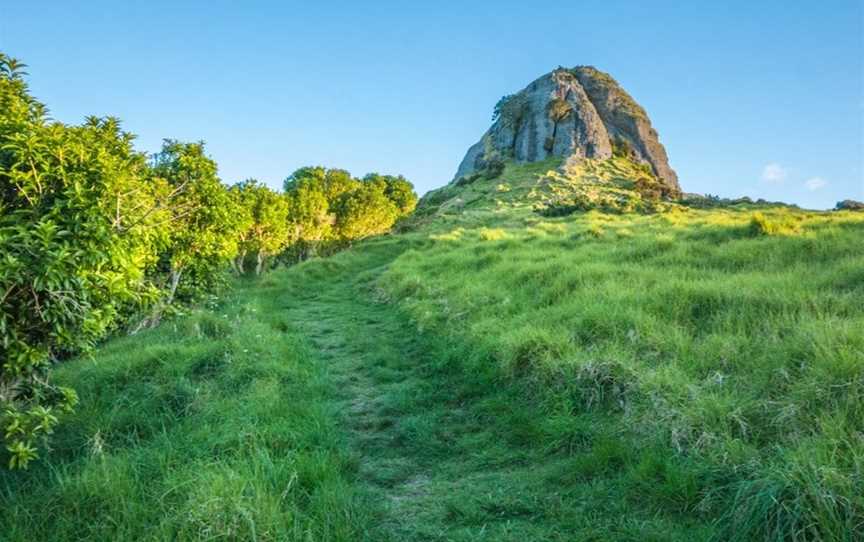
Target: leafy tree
330, 182
307, 174
364, 212
313, 193
309, 214
398, 190
849, 205
338, 182
244, 219
79, 227
329, 207
266, 230
205, 219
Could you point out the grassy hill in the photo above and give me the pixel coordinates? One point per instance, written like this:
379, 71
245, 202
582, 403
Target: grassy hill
507, 367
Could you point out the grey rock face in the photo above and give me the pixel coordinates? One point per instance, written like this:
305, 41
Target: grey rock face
572, 113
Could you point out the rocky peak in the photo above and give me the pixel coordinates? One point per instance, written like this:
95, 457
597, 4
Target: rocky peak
571, 113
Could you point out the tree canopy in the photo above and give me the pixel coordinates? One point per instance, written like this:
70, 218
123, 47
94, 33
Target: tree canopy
329, 207
265, 229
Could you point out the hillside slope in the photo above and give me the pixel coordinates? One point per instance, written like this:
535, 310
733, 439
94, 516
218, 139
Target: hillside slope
493, 372
726, 345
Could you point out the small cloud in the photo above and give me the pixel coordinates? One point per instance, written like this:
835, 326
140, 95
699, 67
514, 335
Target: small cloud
773, 173
815, 183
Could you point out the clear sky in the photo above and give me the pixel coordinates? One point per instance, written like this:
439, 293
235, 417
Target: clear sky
763, 98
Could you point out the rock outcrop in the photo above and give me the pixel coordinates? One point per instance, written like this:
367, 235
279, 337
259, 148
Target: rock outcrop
571, 113
849, 205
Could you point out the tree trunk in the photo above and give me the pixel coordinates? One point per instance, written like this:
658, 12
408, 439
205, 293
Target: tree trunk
175, 280
239, 262
260, 267
154, 319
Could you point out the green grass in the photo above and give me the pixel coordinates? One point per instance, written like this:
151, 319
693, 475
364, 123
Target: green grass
725, 345
216, 426
450, 454
488, 374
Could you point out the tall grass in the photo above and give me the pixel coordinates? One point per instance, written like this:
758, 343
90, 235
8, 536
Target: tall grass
216, 426
677, 376
730, 340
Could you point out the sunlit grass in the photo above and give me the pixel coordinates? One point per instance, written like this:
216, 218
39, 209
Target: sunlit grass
684, 375
733, 338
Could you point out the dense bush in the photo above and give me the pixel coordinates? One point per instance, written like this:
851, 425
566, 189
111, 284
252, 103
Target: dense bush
363, 212
79, 227
93, 236
398, 190
510, 110
491, 168
710, 201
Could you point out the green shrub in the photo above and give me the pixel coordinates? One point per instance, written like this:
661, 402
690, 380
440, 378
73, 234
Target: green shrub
92, 236
329, 209
622, 148
264, 230
80, 225
510, 110
559, 109
493, 168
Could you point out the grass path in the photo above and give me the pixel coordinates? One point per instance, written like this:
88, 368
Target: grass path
360, 343
442, 454
411, 440
375, 360
306, 406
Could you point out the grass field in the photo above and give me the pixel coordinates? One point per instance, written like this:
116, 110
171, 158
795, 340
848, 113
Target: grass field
216, 426
723, 348
489, 374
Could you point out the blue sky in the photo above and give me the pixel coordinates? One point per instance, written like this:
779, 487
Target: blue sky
764, 99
